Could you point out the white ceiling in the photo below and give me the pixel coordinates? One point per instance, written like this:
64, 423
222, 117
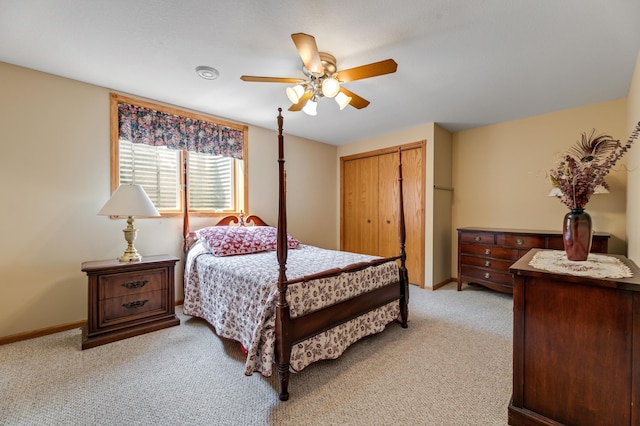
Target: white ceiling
461, 63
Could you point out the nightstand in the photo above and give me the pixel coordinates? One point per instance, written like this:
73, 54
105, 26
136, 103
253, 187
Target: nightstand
127, 299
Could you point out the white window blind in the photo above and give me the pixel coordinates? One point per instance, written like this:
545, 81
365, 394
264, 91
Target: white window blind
210, 182
158, 170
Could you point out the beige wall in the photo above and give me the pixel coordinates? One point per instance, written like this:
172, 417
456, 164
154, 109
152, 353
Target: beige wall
633, 175
440, 248
500, 173
54, 177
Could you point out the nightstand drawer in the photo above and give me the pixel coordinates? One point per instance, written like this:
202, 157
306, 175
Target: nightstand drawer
117, 285
131, 307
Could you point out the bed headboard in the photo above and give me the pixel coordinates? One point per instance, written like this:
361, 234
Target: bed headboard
251, 220
231, 220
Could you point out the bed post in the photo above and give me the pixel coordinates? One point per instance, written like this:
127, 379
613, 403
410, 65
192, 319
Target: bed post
283, 323
402, 236
185, 201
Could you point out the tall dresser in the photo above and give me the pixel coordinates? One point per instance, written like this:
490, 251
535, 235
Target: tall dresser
485, 254
576, 345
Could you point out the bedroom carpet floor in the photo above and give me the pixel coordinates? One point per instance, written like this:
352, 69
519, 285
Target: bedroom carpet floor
452, 366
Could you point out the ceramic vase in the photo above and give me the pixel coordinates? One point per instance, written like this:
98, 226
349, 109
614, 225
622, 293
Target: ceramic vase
576, 234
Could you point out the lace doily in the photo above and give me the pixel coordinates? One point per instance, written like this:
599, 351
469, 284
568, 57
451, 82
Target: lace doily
596, 265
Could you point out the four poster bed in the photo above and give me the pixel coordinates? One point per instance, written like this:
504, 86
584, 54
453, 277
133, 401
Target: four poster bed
235, 281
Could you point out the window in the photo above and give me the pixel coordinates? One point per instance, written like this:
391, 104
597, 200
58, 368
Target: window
165, 149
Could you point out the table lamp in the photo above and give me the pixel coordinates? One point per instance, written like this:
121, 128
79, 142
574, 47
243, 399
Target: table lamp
129, 200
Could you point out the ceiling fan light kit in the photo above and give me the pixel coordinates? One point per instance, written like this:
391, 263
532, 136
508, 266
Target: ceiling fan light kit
342, 100
323, 78
330, 87
311, 107
295, 93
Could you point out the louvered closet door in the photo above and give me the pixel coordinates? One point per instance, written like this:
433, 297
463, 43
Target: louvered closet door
360, 206
413, 182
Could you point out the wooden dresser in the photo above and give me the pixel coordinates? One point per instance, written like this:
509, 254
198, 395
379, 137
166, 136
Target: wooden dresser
129, 298
576, 348
485, 254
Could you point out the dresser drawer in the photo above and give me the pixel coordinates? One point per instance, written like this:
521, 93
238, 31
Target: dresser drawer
484, 262
478, 237
487, 275
522, 241
490, 251
131, 307
118, 285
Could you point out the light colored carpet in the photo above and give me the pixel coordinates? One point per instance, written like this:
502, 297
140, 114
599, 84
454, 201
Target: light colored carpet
452, 366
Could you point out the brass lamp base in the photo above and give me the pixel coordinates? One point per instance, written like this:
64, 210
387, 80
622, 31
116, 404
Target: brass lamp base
130, 233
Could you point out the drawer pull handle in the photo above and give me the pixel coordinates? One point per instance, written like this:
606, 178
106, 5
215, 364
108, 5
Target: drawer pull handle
487, 251
477, 238
134, 305
487, 263
487, 275
135, 284
519, 241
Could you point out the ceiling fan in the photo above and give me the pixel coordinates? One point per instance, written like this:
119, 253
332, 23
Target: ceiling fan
322, 78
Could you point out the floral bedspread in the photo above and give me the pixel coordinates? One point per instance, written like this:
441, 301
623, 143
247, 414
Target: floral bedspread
237, 295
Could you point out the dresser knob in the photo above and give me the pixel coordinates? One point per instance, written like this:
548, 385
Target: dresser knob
135, 284
519, 241
487, 251
477, 238
487, 263
487, 275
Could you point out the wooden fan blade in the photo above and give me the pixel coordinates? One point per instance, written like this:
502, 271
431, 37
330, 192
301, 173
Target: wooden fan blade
370, 70
356, 101
308, 51
271, 79
302, 102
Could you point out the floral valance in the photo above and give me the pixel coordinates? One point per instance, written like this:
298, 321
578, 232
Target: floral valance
143, 125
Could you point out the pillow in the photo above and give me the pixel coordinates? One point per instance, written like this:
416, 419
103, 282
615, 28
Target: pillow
233, 240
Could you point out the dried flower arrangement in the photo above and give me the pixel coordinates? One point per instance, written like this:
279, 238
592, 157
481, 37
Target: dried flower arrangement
585, 166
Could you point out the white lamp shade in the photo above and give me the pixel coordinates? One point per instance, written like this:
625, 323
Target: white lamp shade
342, 100
295, 93
129, 200
311, 108
330, 87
